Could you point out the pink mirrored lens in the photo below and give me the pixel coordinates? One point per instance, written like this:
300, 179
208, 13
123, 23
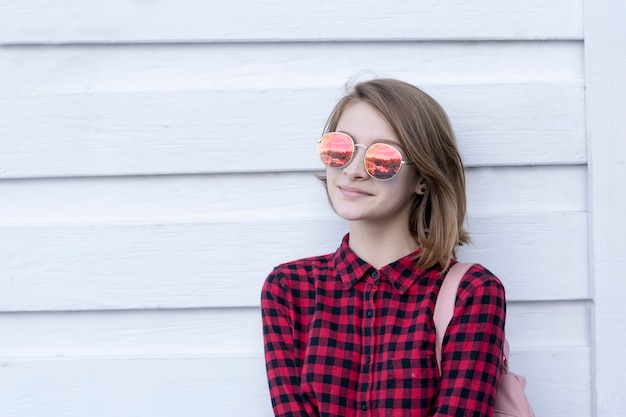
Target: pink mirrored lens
336, 149
383, 161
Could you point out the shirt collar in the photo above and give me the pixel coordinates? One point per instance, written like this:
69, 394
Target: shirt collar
401, 273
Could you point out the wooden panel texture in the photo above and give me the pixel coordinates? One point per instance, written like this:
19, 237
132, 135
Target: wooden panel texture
320, 20
157, 160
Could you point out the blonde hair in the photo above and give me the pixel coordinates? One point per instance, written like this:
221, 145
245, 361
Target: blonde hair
422, 126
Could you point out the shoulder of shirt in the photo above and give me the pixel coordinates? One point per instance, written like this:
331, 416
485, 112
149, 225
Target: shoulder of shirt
478, 276
319, 261
305, 269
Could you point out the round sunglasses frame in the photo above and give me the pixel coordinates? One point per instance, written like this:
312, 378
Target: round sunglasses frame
354, 151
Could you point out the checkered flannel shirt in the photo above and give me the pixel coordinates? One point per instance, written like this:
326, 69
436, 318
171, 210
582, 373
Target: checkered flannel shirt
345, 339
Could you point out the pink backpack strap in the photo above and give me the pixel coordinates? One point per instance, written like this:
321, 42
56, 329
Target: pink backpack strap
510, 398
444, 310
444, 306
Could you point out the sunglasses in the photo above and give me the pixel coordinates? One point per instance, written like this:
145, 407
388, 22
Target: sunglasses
382, 161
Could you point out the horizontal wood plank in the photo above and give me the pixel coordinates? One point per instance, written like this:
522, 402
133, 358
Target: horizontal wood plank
78, 267
135, 386
271, 196
221, 331
544, 325
558, 385
235, 130
536, 257
38, 21
110, 68
558, 380
120, 333
525, 190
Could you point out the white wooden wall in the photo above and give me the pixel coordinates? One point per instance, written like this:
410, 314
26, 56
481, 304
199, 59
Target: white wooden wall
157, 160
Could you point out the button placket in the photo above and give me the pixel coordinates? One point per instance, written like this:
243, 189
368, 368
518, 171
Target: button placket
369, 320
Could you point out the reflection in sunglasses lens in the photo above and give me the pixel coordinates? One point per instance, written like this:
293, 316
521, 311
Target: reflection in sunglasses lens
383, 161
336, 149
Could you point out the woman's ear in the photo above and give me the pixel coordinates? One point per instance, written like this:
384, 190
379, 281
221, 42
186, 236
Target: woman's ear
420, 186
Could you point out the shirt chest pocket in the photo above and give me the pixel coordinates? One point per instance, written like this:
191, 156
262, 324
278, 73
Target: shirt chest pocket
415, 372
410, 385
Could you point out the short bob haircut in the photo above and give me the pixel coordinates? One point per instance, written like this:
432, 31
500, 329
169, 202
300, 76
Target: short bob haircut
422, 126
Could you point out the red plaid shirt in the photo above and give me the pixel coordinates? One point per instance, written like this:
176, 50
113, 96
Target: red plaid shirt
344, 339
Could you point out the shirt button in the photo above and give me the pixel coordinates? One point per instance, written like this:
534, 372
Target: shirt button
363, 406
374, 274
370, 313
367, 359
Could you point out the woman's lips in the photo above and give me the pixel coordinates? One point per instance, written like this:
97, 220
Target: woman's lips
353, 192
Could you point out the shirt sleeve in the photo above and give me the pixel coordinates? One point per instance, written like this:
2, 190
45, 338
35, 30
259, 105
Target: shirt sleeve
472, 348
283, 369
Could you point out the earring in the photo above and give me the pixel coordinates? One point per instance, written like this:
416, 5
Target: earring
423, 190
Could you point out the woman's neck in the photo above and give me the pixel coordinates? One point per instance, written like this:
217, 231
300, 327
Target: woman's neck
380, 245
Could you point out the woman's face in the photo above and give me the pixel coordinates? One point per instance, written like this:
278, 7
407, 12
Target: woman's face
355, 196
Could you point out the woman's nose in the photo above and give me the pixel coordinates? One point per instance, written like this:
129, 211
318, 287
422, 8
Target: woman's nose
356, 168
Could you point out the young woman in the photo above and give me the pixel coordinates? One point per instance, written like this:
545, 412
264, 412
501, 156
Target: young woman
351, 333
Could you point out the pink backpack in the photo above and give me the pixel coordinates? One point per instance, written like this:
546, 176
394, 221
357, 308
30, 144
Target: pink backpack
510, 398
